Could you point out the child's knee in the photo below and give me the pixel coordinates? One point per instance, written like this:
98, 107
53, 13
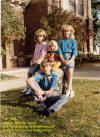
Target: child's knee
29, 80
70, 71
29, 75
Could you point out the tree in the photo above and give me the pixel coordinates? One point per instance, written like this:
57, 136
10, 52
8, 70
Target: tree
52, 24
96, 22
11, 27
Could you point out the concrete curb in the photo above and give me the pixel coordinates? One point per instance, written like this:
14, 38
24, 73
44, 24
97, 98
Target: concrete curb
15, 71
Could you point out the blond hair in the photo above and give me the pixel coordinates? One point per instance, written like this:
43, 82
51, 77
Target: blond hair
40, 32
52, 43
70, 28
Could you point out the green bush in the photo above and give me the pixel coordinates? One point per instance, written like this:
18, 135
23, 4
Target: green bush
11, 27
5, 77
84, 60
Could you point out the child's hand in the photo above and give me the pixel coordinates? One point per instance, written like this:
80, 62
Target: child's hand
43, 52
41, 58
40, 98
41, 92
32, 62
66, 62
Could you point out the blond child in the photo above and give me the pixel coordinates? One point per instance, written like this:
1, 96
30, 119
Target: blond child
67, 51
52, 54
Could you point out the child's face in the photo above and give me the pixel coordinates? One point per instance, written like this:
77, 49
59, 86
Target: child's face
52, 48
40, 38
67, 33
47, 69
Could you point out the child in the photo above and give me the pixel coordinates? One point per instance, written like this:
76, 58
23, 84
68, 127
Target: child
67, 51
44, 87
39, 54
52, 55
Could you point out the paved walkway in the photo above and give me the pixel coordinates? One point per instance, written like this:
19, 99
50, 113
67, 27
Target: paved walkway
16, 83
87, 72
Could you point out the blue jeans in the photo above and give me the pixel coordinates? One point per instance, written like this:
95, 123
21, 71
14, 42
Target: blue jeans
55, 102
34, 68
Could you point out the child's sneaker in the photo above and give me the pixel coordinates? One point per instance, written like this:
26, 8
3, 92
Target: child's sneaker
71, 94
67, 94
29, 92
24, 91
46, 113
40, 108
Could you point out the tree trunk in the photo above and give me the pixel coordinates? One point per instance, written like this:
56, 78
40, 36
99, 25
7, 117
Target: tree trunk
0, 59
8, 56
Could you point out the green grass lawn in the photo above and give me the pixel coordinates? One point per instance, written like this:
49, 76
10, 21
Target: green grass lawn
79, 117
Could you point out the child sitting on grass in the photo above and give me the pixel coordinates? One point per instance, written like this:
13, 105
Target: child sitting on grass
44, 86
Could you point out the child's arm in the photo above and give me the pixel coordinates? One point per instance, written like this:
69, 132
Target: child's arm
43, 53
41, 58
54, 85
66, 62
62, 59
49, 92
32, 62
72, 58
35, 87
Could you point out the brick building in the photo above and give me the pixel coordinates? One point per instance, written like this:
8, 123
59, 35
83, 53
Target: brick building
30, 13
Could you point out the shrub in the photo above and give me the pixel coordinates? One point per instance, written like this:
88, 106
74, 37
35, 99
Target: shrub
6, 77
11, 26
52, 24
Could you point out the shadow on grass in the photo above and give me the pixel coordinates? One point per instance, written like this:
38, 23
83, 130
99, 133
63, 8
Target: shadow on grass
15, 98
78, 117
96, 92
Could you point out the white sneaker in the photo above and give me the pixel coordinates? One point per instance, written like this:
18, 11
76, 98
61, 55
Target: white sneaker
28, 92
71, 94
23, 91
67, 94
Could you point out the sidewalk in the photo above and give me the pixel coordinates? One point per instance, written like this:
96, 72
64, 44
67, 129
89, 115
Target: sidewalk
21, 73
91, 72
86, 72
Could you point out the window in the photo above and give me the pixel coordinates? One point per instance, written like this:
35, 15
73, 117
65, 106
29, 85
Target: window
98, 14
71, 5
79, 7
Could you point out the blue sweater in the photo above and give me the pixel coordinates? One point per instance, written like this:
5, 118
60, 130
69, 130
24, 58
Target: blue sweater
67, 46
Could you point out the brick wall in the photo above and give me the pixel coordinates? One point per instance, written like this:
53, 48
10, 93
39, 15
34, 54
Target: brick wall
32, 16
31, 19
